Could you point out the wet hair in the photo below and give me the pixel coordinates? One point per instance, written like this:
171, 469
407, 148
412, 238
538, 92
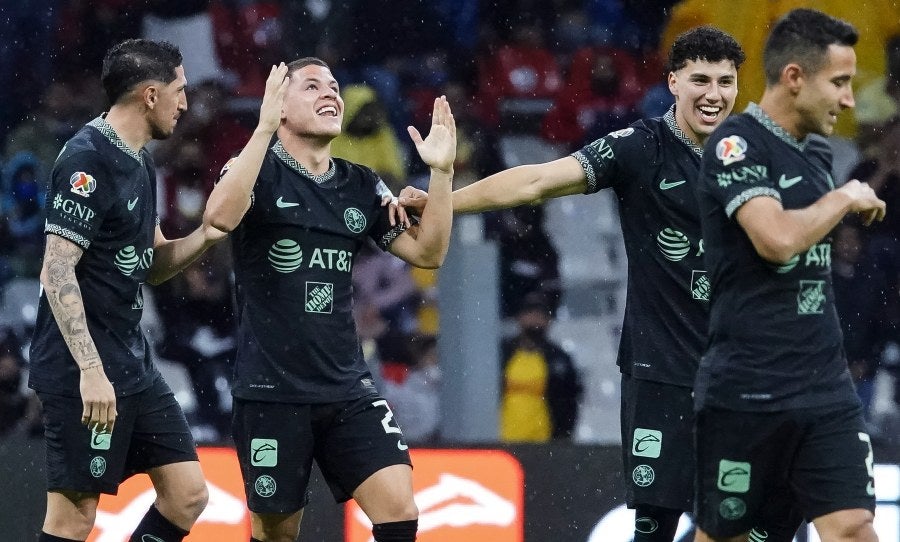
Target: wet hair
305, 61
135, 61
704, 43
802, 37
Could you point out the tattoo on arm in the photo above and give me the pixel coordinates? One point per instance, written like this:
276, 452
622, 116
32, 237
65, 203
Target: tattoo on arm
65, 298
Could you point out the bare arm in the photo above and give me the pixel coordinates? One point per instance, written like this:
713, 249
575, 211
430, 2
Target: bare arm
170, 256
529, 184
66, 303
778, 234
230, 199
426, 244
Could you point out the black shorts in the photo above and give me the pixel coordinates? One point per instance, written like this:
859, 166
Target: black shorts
819, 459
658, 444
277, 442
150, 431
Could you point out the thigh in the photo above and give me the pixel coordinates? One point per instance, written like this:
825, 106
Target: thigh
274, 443
658, 444
743, 460
161, 433
358, 441
80, 459
833, 468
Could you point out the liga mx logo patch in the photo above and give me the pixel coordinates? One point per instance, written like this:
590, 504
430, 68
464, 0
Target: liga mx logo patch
82, 183
731, 149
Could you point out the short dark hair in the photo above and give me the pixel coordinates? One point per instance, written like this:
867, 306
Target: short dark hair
704, 43
134, 61
803, 36
305, 61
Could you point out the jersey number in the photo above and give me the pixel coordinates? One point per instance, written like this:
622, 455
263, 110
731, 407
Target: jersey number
386, 422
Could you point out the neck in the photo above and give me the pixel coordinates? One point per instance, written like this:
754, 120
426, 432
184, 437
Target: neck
778, 103
130, 126
696, 138
314, 153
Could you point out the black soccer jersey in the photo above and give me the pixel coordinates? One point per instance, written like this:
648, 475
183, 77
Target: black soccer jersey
652, 167
775, 340
293, 254
102, 197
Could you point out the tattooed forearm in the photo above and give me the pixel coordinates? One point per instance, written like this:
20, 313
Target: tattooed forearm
66, 302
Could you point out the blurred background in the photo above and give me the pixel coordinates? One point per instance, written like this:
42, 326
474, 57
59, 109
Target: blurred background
528, 81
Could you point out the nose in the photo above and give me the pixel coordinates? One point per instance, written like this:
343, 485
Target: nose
714, 92
847, 100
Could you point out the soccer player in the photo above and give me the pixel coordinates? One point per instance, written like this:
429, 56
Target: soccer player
108, 413
776, 409
302, 390
652, 166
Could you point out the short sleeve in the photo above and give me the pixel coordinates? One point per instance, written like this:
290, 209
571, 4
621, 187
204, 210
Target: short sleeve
734, 172
609, 159
81, 193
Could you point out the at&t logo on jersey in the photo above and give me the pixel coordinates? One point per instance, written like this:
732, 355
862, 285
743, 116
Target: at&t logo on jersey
127, 260
82, 183
731, 149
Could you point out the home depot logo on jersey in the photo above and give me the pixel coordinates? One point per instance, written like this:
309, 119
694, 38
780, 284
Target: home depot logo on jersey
225, 517
461, 495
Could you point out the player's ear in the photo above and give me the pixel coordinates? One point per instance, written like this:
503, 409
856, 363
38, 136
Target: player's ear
792, 77
672, 79
149, 96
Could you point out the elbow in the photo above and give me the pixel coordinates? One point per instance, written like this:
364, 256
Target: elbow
217, 221
777, 250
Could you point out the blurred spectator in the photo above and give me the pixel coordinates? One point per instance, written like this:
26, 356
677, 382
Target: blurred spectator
196, 312
85, 29
252, 29
411, 385
528, 260
541, 385
859, 308
519, 80
879, 101
18, 404
22, 208
367, 138
384, 294
882, 172
189, 25
44, 132
601, 94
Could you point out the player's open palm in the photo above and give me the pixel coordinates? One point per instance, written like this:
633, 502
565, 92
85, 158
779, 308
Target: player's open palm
273, 99
99, 400
438, 150
865, 201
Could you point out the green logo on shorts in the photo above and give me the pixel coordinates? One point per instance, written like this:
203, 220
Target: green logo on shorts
263, 452
734, 476
100, 441
646, 443
98, 466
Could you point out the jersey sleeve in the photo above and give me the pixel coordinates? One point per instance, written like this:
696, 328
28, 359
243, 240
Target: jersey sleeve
734, 172
81, 193
609, 159
381, 231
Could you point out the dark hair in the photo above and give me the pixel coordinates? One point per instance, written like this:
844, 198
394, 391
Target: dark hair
803, 36
305, 61
134, 61
704, 43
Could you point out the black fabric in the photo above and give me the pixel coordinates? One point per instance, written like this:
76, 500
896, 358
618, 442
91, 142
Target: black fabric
50, 538
396, 531
652, 168
157, 526
655, 524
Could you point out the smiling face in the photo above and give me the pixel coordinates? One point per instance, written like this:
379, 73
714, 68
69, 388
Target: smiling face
170, 102
312, 105
704, 96
825, 93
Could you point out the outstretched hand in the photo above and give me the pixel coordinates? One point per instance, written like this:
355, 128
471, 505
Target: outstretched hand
273, 98
438, 149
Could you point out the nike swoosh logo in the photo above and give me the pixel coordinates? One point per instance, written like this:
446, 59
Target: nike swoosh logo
281, 203
665, 184
784, 182
132, 203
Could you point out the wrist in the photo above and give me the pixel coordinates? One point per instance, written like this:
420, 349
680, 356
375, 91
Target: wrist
443, 172
96, 364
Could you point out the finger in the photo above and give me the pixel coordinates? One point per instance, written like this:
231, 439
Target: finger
86, 413
415, 135
402, 216
436, 112
111, 415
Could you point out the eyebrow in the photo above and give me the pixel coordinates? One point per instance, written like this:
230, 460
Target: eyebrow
318, 80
